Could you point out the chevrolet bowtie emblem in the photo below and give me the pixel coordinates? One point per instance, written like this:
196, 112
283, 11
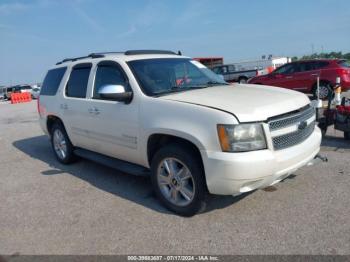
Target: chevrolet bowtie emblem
302, 125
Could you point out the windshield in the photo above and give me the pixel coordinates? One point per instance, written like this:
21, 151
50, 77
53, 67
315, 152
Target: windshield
168, 75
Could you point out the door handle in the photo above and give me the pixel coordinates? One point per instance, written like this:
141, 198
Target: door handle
289, 77
314, 74
94, 110
64, 106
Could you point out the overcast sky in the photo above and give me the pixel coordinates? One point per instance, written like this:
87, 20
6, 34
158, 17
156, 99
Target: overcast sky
36, 34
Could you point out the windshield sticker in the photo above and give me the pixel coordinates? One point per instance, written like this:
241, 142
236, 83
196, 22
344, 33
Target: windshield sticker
197, 64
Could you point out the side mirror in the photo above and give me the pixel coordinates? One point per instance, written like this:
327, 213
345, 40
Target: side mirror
115, 92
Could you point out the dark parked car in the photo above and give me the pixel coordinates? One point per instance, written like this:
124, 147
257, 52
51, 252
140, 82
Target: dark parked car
17, 89
302, 76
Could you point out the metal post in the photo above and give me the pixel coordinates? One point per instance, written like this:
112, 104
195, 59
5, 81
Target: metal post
318, 87
318, 98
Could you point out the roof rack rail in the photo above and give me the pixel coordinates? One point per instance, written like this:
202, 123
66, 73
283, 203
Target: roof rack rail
93, 55
106, 53
149, 52
129, 52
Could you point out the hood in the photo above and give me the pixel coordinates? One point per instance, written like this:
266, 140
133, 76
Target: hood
248, 103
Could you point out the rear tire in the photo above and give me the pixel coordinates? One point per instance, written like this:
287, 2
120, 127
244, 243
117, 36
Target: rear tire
326, 89
178, 179
61, 145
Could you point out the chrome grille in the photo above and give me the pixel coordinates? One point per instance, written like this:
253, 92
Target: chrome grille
291, 139
291, 119
299, 134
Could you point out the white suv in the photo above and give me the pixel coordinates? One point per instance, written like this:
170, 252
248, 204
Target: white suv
157, 113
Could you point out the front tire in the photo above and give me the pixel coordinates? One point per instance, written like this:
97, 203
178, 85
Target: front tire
61, 145
242, 80
178, 179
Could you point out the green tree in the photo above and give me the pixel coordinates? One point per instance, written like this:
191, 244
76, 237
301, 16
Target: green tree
330, 55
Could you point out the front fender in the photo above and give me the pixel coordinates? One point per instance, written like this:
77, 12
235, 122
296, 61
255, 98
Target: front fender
194, 123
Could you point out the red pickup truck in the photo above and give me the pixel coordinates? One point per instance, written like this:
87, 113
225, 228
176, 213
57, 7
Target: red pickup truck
302, 76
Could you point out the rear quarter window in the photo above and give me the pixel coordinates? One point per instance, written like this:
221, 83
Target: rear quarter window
344, 63
321, 64
52, 81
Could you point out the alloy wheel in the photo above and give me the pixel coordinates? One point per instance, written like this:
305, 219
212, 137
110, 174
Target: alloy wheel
59, 143
176, 182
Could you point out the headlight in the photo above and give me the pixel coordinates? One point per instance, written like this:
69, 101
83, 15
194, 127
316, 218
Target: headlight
241, 138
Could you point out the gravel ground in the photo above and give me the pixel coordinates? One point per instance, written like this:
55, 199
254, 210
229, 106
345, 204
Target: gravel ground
86, 208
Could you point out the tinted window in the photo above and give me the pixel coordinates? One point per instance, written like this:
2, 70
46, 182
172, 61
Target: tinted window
217, 70
52, 81
321, 64
25, 87
231, 68
77, 83
286, 69
108, 75
307, 66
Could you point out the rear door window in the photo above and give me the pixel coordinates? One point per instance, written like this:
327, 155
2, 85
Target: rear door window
321, 64
78, 81
305, 66
52, 81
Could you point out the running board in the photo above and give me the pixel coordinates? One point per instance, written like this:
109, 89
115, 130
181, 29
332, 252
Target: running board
111, 162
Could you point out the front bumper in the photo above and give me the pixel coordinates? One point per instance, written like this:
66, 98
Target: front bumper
237, 173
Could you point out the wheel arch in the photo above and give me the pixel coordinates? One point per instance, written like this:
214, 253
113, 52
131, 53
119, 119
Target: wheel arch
314, 85
243, 76
51, 120
157, 140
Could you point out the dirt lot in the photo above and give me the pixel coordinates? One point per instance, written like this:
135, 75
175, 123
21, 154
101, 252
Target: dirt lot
86, 208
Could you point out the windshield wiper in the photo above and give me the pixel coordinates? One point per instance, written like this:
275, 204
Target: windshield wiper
174, 89
177, 89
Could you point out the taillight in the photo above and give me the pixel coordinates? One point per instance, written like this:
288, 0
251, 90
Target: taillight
342, 71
